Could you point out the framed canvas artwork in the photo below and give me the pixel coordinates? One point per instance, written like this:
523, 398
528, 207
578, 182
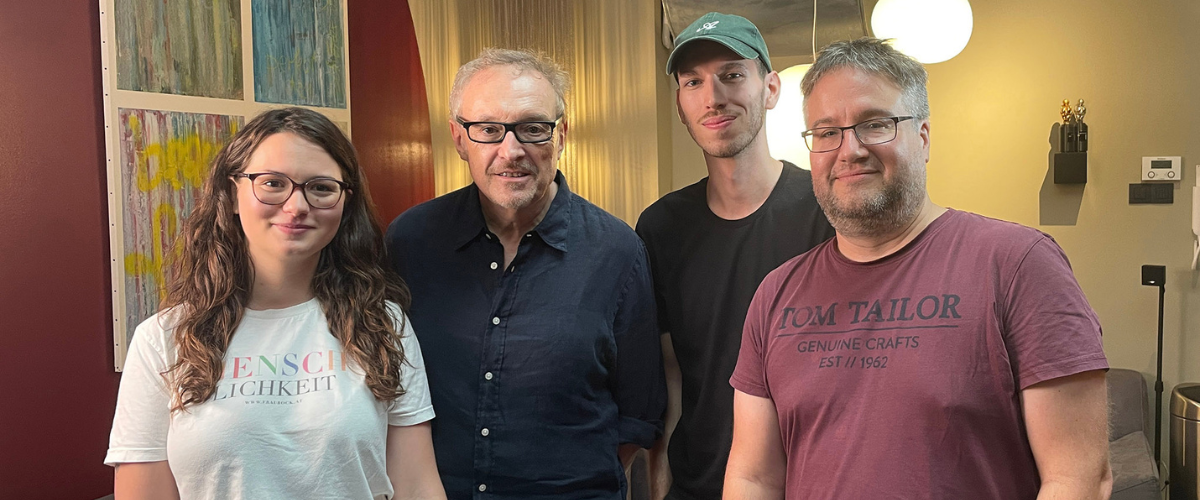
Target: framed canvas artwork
180, 78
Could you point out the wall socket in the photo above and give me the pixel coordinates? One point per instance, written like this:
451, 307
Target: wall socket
1151, 192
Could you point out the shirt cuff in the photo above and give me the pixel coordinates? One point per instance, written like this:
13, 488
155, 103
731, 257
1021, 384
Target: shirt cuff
1064, 369
411, 418
750, 388
640, 432
134, 455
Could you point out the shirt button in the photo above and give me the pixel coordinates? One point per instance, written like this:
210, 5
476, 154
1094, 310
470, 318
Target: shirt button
496, 320
528, 235
485, 432
487, 376
495, 265
489, 236
483, 487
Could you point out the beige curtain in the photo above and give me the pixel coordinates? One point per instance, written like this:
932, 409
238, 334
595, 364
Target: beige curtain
608, 47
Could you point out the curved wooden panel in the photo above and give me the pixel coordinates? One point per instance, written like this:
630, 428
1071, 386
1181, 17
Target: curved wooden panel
390, 123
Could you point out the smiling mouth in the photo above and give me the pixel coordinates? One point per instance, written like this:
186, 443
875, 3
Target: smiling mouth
513, 175
718, 121
849, 176
293, 228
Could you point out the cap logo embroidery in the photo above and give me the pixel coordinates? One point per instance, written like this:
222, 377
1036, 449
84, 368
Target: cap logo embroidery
708, 26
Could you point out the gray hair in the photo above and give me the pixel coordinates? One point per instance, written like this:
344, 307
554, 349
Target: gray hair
877, 57
524, 60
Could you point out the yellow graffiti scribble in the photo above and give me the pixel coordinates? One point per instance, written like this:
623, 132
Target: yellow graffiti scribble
154, 266
182, 162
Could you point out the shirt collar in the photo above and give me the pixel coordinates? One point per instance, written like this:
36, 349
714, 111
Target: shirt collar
552, 229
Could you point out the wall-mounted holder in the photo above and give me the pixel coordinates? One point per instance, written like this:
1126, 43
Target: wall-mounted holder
1070, 163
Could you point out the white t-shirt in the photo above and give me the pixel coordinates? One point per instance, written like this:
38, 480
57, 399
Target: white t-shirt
291, 418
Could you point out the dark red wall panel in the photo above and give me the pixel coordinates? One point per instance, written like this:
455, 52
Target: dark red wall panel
57, 385
389, 113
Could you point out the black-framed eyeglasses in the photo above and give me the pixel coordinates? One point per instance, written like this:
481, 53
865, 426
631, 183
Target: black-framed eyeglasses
274, 189
869, 133
531, 132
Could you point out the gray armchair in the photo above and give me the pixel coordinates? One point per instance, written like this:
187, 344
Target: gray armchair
1130, 428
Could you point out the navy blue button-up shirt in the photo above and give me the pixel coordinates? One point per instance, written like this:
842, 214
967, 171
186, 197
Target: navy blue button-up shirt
540, 370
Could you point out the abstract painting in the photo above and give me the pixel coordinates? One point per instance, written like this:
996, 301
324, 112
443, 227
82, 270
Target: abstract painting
299, 52
164, 159
185, 47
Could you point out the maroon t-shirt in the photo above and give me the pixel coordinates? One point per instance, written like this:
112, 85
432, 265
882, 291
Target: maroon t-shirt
901, 378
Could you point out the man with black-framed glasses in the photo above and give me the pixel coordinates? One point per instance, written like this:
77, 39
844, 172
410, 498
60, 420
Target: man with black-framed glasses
924, 352
534, 308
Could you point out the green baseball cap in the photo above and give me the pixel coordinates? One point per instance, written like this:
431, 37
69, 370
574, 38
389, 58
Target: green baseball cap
735, 32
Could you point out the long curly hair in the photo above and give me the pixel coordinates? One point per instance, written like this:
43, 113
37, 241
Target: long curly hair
212, 273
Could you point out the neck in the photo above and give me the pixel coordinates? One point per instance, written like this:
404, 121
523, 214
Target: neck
867, 248
279, 284
739, 185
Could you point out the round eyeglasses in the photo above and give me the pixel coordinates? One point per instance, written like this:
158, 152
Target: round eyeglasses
530, 132
869, 133
274, 189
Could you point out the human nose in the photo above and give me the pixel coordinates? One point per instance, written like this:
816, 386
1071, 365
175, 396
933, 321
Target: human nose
714, 94
851, 149
510, 147
296, 203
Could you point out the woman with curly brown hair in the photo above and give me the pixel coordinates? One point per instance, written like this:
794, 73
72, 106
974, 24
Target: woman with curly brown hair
281, 364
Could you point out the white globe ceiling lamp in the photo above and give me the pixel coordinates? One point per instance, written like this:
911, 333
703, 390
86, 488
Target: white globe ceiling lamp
786, 120
931, 31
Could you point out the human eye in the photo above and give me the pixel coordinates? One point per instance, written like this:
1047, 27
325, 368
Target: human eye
825, 133
488, 128
272, 182
534, 128
877, 125
323, 186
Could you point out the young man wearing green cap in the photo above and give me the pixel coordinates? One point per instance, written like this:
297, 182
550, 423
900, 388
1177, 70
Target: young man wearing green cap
711, 243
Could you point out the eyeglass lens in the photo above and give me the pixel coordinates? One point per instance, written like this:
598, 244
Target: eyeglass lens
525, 131
274, 189
870, 132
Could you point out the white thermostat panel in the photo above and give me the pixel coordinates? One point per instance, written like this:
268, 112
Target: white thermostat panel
1162, 168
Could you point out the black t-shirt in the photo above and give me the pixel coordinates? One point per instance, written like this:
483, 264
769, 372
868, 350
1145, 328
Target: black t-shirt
706, 269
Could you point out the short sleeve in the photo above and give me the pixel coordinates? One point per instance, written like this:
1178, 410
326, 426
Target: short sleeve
414, 406
1051, 331
749, 375
645, 231
143, 415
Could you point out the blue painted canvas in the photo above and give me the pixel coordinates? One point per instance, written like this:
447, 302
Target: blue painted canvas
298, 52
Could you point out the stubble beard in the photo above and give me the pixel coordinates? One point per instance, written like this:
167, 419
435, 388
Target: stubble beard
517, 198
755, 116
876, 213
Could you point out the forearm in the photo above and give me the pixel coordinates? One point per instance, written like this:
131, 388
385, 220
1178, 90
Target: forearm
757, 467
411, 465
660, 470
626, 452
1080, 489
739, 487
147, 480
1067, 424
427, 490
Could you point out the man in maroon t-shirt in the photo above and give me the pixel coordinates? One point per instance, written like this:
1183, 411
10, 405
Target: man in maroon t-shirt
923, 352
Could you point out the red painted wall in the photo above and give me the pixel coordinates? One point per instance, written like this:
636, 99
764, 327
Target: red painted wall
390, 115
57, 387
